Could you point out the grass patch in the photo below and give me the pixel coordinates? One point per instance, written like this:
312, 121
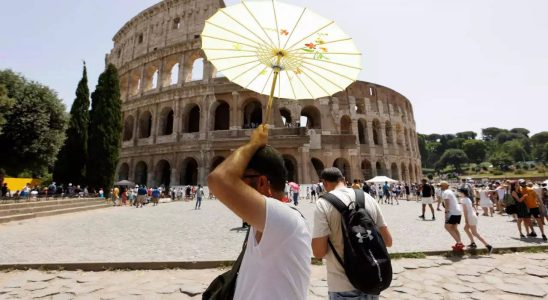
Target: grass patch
535, 250
408, 255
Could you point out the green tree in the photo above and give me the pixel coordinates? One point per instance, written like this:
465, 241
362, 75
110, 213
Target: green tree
516, 150
105, 130
501, 160
34, 129
491, 132
456, 143
71, 161
454, 157
422, 148
434, 137
467, 135
521, 131
476, 150
540, 138
6, 103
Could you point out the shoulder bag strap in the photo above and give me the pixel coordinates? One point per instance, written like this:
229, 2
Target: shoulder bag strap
341, 207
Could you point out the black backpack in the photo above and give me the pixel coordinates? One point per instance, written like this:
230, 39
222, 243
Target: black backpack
366, 260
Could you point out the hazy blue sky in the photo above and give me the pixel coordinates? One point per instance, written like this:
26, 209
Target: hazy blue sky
465, 65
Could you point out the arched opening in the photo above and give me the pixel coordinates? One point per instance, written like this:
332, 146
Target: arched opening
123, 172
197, 72
367, 170
394, 173
193, 119
215, 162
162, 173
151, 77
380, 167
404, 173
145, 125
166, 121
376, 132
189, 172
389, 133
310, 118
362, 131
128, 128
291, 167
318, 166
346, 125
343, 165
174, 74
141, 173
134, 82
286, 117
399, 134
222, 116
418, 173
253, 114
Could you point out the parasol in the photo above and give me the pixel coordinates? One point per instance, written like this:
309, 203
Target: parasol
124, 183
381, 179
280, 50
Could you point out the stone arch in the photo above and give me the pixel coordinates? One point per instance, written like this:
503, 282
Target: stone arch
141, 173
344, 166
191, 118
134, 82
145, 124
292, 168
170, 75
197, 70
346, 125
123, 172
286, 116
412, 177
124, 84
151, 77
380, 167
404, 173
376, 132
362, 131
166, 121
389, 132
189, 171
221, 115
252, 113
367, 169
162, 173
318, 165
217, 160
399, 134
128, 128
313, 117
394, 172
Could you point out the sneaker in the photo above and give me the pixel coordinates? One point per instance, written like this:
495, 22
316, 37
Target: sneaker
433, 218
521, 236
489, 249
472, 246
422, 217
532, 234
544, 237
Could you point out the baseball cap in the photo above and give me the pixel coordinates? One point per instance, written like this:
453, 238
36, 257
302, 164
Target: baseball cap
522, 182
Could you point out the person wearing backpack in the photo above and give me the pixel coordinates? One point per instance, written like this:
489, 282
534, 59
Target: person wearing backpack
329, 237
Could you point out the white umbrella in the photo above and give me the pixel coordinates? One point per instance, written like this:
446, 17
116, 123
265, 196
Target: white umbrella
381, 179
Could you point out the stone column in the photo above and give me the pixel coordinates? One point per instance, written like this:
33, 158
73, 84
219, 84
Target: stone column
355, 131
177, 120
369, 129
160, 79
136, 127
382, 135
142, 81
182, 69
304, 175
173, 177
131, 171
235, 122
155, 123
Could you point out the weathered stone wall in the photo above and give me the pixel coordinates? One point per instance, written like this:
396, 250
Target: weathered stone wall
181, 119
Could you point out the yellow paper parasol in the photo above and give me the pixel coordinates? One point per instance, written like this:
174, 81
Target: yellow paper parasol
280, 50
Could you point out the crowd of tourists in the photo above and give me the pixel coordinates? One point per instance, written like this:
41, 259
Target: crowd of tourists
53, 190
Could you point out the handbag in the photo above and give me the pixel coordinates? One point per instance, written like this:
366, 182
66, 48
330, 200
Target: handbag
224, 285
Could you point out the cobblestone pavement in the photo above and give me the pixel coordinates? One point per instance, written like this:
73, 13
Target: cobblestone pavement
176, 232
508, 276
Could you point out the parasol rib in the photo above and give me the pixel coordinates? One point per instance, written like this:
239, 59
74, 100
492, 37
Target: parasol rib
293, 30
230, 57
327, 53
315, 82
329, 70
256, 76
247, 63
328, 80
228, 49
238, 76
234, 33
276, 20
267, 80
259, 24
305, 87
323, 27
330, 62
243, 26
325, 43
291, 84
235, 42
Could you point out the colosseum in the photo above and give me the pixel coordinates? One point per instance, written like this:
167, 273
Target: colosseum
182, 118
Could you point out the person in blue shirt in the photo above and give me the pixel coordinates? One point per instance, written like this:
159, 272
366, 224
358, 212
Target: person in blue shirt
155, 196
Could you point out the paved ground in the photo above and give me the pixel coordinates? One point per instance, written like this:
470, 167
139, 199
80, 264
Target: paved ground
509, 276
177, 232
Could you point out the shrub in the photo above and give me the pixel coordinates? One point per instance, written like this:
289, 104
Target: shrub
496, 172
525, 166
519, 172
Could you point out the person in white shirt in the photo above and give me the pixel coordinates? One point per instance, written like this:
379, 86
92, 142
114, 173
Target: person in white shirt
453, 214
471, 222
276, 262
327, 227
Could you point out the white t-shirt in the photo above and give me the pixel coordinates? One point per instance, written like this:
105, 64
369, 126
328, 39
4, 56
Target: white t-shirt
278, 267
453, 205
327, 222
470, 213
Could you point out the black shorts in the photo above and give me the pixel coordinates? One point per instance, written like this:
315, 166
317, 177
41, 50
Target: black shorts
453, 220
535, 212
313, 193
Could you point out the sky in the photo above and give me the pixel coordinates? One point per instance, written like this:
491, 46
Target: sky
464, 65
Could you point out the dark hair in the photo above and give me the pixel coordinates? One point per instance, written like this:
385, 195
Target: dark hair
332, 175
464, 192
269, 162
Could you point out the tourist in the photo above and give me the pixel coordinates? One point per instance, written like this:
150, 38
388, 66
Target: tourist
5, 190
124, 196
520, 208
327, 227
437, 193
453, 214
386, 193
295, 188
485, 202
199, 197
141, 196
407, 191
356, 185
471, 222
501, 191
250, 182
101, 193
427, 197
155, 196
529, 197
313, 197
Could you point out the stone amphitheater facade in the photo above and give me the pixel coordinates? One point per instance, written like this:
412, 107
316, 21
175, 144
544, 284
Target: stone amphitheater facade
181, 118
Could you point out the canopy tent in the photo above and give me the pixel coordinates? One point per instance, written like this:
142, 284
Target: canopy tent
124, 183
381, 179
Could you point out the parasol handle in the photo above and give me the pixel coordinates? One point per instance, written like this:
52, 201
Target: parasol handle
271, 97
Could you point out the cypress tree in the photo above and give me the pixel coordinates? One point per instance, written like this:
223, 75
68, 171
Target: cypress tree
105, 130
71, 161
